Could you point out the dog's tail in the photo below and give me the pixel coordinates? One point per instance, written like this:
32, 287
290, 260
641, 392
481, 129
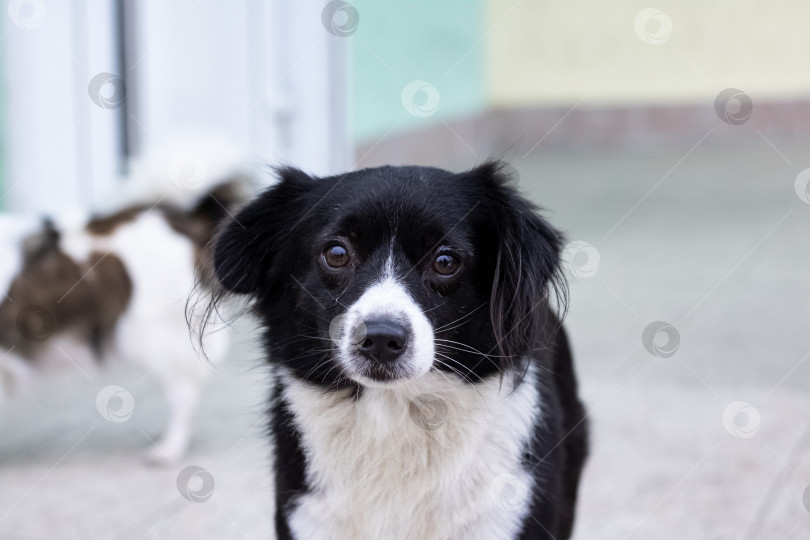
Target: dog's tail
196, 180
181, 173
199, 223
199, 220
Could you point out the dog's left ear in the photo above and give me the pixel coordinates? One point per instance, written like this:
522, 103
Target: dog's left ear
527, 278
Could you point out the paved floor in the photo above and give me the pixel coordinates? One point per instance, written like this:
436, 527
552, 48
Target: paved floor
707, 440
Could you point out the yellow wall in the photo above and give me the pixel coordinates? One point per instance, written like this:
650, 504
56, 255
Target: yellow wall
557, 52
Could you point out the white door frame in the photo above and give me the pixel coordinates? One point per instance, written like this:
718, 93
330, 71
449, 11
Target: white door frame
267, 75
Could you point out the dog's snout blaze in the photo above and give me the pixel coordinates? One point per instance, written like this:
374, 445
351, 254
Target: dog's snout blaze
385, 340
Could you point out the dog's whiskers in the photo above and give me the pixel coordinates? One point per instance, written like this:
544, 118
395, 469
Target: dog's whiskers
444, 328
464, 347
435, 307
450, 351
463, 377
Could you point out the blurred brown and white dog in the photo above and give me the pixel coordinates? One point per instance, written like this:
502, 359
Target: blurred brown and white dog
116, 285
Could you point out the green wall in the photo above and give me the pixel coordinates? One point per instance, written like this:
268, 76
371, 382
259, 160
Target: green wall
400, 41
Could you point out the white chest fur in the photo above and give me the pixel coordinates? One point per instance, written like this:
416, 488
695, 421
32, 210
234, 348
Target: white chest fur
435, 459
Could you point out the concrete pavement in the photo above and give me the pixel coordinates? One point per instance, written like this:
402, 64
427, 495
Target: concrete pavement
707, 440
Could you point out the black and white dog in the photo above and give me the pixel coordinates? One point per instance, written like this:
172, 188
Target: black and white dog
425, 387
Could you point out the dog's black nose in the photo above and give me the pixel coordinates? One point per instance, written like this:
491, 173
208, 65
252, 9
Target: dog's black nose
385, 340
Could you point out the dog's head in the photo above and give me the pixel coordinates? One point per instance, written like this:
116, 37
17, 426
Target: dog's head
378, 276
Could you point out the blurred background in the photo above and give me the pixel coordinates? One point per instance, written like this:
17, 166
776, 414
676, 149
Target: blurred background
669, 140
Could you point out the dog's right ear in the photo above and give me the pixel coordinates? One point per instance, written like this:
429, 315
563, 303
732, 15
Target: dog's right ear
249, 246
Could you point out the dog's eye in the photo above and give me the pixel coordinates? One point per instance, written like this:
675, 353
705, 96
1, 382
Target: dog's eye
445, 264
336, 256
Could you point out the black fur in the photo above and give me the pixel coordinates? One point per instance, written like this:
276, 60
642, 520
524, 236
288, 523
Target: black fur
504, 302
289, 462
